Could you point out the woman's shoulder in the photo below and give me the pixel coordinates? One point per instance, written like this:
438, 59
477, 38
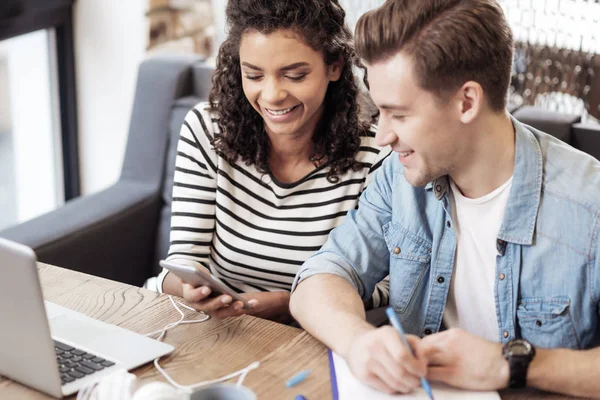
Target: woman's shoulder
369, 152
206, 115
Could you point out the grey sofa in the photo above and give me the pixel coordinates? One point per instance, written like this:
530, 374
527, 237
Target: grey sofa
122, 232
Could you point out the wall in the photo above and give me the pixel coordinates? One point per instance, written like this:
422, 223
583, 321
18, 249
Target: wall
110, 43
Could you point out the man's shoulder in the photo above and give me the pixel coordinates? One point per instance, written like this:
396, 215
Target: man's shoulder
569, 173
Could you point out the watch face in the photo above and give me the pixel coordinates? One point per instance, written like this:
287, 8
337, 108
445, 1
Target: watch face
519, 348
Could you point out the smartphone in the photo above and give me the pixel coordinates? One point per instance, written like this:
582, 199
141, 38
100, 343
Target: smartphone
196, 278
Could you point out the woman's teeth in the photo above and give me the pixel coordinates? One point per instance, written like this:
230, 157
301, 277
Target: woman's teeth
280, 112
405, 153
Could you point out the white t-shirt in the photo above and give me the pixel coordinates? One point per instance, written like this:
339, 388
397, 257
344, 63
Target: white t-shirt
471, 305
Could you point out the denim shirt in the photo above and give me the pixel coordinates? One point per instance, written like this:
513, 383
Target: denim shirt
547, 285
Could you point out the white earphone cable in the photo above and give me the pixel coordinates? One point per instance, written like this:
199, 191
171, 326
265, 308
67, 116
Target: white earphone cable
121, 385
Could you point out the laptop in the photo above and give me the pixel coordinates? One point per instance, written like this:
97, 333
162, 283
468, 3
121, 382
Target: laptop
51, 348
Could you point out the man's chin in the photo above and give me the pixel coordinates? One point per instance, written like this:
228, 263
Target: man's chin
418, 181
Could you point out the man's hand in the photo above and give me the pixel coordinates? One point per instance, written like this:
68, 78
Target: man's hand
379, 358
463, 360
270, 305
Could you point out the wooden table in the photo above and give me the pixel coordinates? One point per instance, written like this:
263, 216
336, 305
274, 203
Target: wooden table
203, 351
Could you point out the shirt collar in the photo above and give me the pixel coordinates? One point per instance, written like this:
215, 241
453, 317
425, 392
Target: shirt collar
523, 202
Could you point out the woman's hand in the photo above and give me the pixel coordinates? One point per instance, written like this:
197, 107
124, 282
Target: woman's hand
269, 305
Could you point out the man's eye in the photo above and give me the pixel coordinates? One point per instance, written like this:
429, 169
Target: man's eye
253, 77
399, 117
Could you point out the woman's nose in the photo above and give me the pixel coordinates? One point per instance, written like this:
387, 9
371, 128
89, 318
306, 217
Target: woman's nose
273, 92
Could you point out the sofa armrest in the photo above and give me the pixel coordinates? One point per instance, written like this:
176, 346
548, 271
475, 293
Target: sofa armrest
586, 137
108, 234
551, 122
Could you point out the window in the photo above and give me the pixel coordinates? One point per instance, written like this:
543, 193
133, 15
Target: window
31, 176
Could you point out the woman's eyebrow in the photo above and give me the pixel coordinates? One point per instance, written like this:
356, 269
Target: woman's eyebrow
286, 68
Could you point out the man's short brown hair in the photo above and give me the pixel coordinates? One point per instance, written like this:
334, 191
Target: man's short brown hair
450, 42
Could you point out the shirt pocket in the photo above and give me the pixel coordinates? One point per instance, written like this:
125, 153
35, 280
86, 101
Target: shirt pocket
409, 259
547, 322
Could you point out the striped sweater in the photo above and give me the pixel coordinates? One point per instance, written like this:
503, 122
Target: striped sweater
251, 231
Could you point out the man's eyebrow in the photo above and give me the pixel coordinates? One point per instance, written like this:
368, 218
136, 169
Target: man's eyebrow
286, 68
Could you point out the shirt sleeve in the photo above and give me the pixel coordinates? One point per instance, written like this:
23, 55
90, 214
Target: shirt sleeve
596, 274
381, 294
356, 250
194, 191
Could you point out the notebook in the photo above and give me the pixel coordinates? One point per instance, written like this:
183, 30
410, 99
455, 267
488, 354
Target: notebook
344, 386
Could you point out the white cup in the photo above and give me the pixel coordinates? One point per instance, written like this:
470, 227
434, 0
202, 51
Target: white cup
223, 391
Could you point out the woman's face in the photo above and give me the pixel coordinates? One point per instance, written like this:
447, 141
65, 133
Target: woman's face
285, 80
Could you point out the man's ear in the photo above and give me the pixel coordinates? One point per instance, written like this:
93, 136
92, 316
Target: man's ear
470, 101
334, 70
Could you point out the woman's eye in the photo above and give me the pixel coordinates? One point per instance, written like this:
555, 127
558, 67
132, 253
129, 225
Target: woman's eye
253, 77
398, 117
297, 78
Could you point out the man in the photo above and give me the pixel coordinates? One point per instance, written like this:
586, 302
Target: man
487, 228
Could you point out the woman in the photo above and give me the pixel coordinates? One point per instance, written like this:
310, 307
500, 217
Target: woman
275, 160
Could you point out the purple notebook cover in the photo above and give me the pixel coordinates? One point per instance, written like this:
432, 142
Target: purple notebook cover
334, 386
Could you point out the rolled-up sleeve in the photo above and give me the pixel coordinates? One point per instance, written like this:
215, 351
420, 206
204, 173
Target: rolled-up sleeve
356, 250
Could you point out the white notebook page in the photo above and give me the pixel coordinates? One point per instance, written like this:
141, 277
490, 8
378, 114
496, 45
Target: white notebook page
350, 388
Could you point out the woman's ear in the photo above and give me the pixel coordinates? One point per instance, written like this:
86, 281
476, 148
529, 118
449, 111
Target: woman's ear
334, 70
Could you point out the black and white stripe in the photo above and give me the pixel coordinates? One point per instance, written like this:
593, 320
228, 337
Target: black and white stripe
252, 233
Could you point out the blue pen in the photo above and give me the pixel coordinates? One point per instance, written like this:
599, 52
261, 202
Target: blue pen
299, 377
398, 326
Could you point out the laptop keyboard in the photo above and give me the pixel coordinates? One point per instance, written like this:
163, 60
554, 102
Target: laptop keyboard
75, 364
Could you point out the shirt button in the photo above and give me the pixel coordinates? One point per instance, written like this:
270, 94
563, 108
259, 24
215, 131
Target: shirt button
448, 224
428, 331
500, 242
502, 276
505, 334
396, 250
441, 279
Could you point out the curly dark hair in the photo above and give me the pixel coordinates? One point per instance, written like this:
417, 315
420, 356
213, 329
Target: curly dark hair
321, 24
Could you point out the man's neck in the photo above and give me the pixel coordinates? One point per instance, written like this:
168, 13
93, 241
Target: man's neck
491, 161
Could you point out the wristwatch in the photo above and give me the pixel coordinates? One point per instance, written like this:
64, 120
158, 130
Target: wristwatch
519, 354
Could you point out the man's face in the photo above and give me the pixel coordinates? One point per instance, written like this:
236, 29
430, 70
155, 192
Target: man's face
424, 131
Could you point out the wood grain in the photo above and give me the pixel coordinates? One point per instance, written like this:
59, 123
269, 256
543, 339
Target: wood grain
206, 350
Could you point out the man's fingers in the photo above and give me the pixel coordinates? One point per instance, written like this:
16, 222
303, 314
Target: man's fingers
375, 381
403, 356
434, 353
440, 374
391, 373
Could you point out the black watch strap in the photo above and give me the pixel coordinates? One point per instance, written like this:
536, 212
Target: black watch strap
519, 354
518, 371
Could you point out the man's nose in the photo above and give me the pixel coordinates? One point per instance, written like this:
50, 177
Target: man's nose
385, 135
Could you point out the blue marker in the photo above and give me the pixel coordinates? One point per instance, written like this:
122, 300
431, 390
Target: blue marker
396, 324
299, 377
